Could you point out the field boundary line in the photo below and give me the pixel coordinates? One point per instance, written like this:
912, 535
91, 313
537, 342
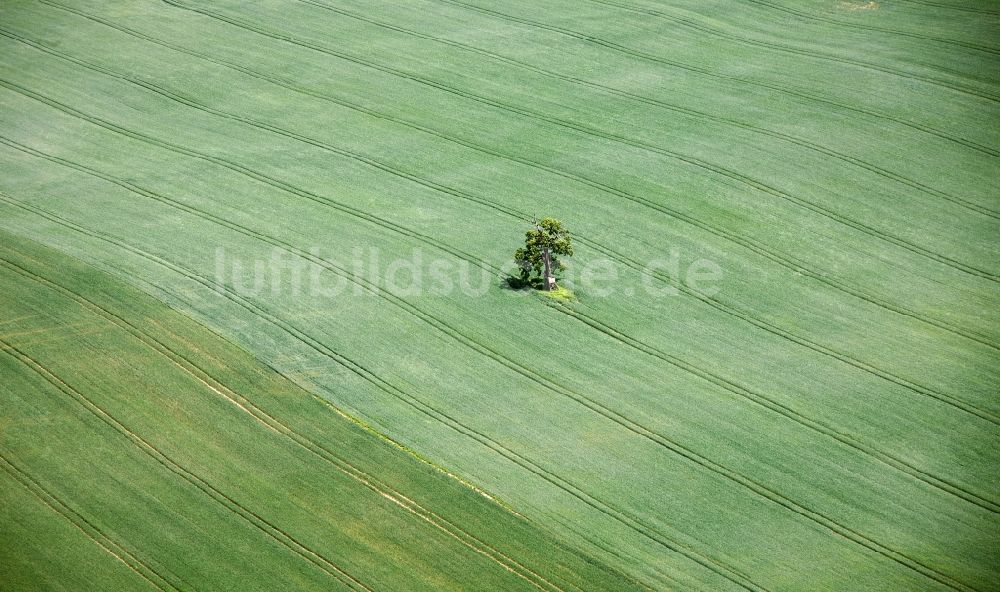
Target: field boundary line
424, 408
972, 409
957, 402
663, 441
276, 425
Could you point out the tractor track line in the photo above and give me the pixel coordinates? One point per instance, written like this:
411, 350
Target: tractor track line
783, 260
364, 373
588, 130
968, 407
89, 530
870, 368
255, 175
863, 27
775, 87
650, 57
960, 404
784, 90
621, 516
638, 429
789, 413
721, 171
954, 7
246, 405
277, 534
693, 24
857, 162
618, 556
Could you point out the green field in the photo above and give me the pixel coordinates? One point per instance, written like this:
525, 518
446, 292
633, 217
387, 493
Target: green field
255, 332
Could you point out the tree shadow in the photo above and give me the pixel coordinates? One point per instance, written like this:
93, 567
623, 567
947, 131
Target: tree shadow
519, 284
513, 282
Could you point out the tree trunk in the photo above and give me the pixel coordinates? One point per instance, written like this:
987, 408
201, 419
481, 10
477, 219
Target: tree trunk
548, 281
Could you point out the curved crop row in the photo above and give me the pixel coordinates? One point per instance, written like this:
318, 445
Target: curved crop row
954, 7
284, 186
783, 410
825, 19
629, 520
697, 114
971, 408
246, 405
943, 134
269, 529
801, 341
625, 422
647, 56
782, 259
88, 528
594, 132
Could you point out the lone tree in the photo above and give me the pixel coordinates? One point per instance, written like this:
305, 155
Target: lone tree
538, 256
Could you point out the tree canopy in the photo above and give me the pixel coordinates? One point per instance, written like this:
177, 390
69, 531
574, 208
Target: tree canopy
539, 257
